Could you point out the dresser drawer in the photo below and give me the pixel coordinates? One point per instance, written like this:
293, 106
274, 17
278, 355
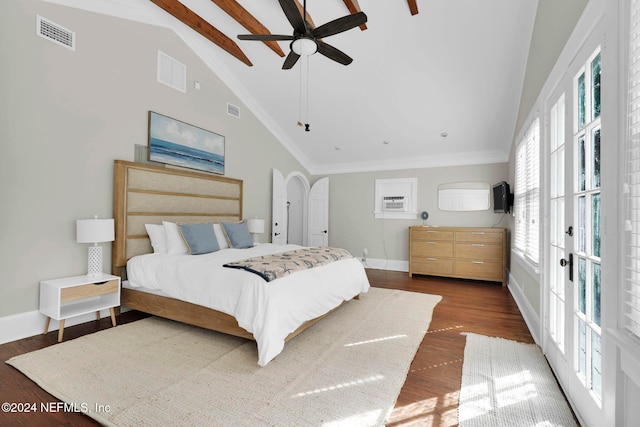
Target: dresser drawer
482, 270
88, 291
432, 248
432, 265
431, 234
478, 236
479, 251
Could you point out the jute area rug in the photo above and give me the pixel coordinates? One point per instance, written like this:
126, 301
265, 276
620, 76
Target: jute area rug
507, 383
345, 370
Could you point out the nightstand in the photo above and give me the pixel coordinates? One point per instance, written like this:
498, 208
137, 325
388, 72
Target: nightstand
63, 298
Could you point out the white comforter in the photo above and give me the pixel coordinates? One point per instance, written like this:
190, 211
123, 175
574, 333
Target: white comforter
269, 310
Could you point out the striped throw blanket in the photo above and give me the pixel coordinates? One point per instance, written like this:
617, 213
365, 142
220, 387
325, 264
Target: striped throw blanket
272, 267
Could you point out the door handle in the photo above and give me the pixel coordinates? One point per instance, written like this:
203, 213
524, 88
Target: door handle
569, 231
569, 262
324, 231
276, 234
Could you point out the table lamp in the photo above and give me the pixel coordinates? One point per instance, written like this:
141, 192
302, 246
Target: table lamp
94, 231
255, 227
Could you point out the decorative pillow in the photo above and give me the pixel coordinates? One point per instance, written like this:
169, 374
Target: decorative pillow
200, 238
237, 234
175, 242
222, 239
158, 237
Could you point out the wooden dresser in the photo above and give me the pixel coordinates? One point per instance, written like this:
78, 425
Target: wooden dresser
463, 252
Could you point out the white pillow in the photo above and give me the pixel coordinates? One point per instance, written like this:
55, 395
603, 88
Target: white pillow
222, 239
158, 237
175, 242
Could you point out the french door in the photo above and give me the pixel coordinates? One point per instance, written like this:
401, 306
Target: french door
572, 327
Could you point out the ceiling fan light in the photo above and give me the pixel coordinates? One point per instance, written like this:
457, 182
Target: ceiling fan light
304, 46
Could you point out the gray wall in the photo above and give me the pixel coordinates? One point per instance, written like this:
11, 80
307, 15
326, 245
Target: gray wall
65, 116
352, 223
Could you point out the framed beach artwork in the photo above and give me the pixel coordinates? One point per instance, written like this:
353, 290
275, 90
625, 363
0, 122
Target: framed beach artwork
180, 144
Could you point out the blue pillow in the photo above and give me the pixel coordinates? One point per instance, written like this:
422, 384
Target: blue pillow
200, 238
237, 234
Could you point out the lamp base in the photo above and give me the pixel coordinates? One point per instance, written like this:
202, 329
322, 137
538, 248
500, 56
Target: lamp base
94, 267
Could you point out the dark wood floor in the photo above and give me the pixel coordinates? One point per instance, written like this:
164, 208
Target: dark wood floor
429, 396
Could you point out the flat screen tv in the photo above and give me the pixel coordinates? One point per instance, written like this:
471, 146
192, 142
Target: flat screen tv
502, 199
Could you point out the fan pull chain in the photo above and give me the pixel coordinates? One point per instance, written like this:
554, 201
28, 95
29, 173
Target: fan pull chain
306, 125
304, 94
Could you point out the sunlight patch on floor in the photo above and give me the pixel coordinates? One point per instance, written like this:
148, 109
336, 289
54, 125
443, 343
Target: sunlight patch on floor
499, 393
354, 383
421, 413
392, 337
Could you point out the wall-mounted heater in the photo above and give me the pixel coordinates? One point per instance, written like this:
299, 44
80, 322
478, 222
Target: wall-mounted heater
394, 204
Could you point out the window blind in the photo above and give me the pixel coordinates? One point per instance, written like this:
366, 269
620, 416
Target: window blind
631, 190
527, 194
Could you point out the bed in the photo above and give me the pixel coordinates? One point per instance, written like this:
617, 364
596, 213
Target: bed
239, 302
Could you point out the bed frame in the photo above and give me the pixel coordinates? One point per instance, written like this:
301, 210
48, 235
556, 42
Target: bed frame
146, 194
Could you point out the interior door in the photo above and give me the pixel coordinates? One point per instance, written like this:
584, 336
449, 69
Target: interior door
319, 213
572, 327
279, 209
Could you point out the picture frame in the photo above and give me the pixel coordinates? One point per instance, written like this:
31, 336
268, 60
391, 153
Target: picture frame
177, 143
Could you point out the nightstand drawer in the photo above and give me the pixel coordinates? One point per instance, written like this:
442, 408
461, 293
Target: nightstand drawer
87, 291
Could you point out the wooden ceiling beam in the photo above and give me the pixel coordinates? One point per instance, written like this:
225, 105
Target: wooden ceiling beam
248, 21
354, 7
413, 6
195, 22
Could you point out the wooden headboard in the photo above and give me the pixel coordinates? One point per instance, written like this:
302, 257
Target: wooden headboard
145, 194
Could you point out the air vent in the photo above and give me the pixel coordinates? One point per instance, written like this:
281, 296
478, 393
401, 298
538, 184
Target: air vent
233, 110
55, 33
172, 72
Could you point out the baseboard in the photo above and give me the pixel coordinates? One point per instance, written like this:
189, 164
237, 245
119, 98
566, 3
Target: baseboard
531, 318
385, 264
30, 323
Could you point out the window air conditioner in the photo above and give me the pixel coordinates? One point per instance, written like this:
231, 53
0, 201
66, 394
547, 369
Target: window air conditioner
394, 204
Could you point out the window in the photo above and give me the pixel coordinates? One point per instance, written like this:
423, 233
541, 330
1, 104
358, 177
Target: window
527, 194
631, 273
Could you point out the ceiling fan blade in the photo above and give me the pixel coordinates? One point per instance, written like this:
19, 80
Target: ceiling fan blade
290, 61
333, 53
265, 37
339, 25
293, 15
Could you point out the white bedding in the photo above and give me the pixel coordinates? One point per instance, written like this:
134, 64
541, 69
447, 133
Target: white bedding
269, 310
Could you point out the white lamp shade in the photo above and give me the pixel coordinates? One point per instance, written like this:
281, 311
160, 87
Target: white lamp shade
255, 226
94, 230
304, 46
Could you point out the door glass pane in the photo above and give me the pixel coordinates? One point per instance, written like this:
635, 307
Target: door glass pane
595, 86
582, 224
595, 173
596, 363
582, 348
582, 172
582, 285
595, 297
595, 224
581, 101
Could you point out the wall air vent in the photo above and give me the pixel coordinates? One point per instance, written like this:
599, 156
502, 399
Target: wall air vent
233, 110
55, 33
172, 72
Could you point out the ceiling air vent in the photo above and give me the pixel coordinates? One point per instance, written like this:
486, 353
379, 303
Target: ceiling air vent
55, 33
233, 110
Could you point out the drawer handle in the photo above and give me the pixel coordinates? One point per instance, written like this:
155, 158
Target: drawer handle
431, 231
477, 232
477, 262
432, 259
432, 243
480, 245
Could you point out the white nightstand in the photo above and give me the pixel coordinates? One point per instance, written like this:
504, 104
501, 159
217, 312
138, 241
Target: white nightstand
63, 298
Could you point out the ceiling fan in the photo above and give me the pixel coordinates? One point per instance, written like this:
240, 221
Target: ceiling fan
306, 39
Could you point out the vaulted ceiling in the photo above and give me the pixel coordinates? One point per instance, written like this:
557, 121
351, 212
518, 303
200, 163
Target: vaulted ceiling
432, 82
